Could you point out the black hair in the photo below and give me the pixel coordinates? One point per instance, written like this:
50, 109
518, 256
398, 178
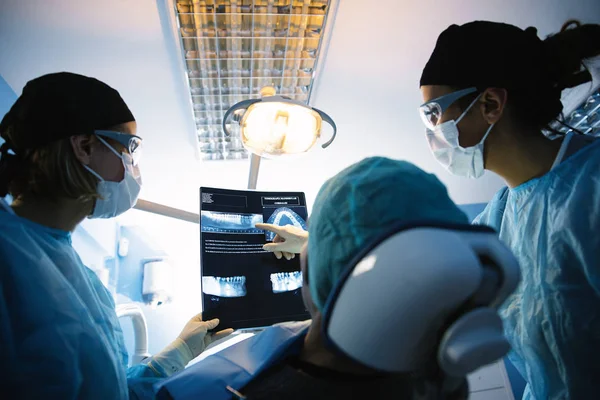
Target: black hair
566, 51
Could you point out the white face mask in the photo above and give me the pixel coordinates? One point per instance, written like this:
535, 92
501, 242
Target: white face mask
460, 161
117, 197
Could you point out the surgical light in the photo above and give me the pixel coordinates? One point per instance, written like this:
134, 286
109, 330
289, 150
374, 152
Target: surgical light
276, 129
276, 126
234, 48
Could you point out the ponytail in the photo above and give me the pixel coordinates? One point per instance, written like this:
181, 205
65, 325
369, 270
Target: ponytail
564, 53
567, 49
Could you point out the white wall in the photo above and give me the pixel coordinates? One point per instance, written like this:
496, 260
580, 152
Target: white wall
7, 98
181, 241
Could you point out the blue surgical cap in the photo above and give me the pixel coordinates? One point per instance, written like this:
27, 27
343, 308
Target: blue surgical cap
362, 202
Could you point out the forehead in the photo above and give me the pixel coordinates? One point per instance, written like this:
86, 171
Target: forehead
431, 92
129, 128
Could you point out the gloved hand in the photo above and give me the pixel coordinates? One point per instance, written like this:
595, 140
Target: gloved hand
288, 242
193, 340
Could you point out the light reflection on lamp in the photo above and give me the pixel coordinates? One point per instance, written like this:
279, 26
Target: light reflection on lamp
276, 126
272, 129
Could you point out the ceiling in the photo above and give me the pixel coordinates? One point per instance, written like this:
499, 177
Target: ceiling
368, 84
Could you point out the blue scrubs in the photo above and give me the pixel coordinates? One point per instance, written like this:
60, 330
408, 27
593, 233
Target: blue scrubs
552, 224
59, 335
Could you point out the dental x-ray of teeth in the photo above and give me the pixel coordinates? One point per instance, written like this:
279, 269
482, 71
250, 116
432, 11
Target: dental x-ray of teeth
284, 216
286, 281
242, 284
233, 286
221, 222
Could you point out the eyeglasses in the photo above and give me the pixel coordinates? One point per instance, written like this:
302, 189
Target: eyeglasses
432, 111
132, 143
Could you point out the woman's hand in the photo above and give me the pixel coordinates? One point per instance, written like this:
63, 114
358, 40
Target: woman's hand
288, 240
193, 340
196, 336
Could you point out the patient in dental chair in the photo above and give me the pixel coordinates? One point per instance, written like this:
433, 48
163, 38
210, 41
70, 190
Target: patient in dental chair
293, 361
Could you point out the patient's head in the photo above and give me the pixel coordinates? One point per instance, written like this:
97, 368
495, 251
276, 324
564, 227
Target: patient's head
359, 204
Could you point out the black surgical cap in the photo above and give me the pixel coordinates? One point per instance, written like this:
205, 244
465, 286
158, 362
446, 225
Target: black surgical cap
60, 105
486, 54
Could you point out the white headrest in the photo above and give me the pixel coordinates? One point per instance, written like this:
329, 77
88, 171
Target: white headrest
421, 294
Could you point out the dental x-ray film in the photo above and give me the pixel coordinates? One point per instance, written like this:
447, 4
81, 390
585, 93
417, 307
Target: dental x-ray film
243, 285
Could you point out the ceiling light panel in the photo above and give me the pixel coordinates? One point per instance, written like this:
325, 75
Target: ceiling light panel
232, 49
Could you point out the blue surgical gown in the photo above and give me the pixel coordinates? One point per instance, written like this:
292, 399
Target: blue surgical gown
59, 335
552, 224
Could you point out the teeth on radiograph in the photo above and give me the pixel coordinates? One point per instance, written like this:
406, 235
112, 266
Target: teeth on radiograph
286, 281
217, 221
289, 215
234, 286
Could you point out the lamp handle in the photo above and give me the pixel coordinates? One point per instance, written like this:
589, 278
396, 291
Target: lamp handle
235, 107
330, 121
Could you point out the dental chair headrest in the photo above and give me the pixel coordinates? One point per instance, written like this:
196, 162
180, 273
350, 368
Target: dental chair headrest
421, 294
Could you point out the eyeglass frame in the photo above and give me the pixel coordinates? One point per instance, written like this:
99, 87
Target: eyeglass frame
123, 139
444, 102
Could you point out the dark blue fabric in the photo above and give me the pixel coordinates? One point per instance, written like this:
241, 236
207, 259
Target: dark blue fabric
235, 366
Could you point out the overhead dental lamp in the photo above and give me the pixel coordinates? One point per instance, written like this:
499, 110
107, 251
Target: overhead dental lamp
275, 126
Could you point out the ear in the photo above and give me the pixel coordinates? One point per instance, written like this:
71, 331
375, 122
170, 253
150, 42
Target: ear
82, 148
493, 102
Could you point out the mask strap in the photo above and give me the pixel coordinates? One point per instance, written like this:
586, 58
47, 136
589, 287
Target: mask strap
110, 147
487, 133
468, 108
93, 172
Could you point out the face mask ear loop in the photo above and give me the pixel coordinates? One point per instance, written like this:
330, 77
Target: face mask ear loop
468, 108
110, 147
93, 172
487, 133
